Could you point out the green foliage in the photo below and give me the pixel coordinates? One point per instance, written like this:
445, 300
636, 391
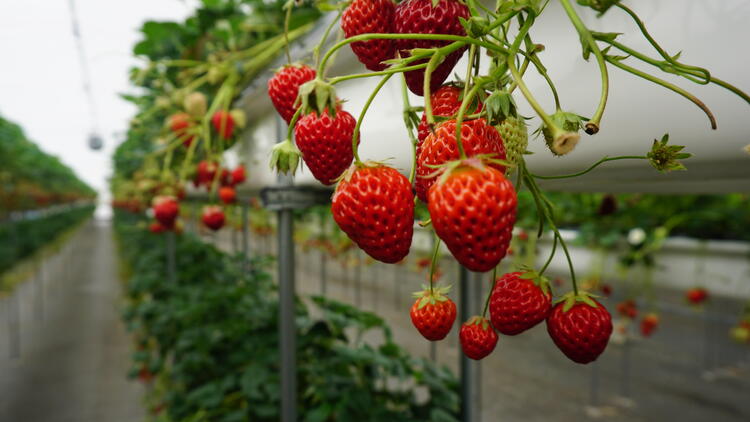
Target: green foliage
211, 339
30, 178
20, 239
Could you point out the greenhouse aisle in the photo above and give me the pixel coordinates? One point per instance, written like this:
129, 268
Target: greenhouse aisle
74, 351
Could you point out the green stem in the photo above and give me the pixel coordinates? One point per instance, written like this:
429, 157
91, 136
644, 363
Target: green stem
667, 85
592, 167
489, 294
592, 126
316, 51
431, 65
551, 255
355, 136
460, 118
287, 18
292, 123
433, 264
409, 128
657, 47
458, 42
395, 69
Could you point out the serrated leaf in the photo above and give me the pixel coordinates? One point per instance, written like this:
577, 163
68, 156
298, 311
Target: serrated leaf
569, 302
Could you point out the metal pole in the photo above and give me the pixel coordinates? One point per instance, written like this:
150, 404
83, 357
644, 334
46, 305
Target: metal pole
287, 329
625, 368
171, 265
594, 385
396, 287
323, 275
358, 279
706, 340
245, 235
375, 284
467, 368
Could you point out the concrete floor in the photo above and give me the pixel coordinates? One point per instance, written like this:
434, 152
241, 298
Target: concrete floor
67, 357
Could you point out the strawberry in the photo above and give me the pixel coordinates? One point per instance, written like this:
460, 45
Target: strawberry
223, 123
433, 313
580, 327
445, 102
627, 309
519, 302
515, 137
473, 210
205, 173
440, 147
166, 210
374, 205
180, 124
478, 338
649, 324
238, 175
422, 17
696, 295
227, 194
283, 88
606, 290
373, 17
326, 143
213, 217
156, 227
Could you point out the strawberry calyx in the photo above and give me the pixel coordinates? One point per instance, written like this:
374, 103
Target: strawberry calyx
431, 296
571, 298
562, 137
348, 173
539, 280
285, 157
477, 162
319, 96
483, 322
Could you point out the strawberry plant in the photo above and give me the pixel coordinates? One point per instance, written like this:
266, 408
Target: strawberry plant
209, 344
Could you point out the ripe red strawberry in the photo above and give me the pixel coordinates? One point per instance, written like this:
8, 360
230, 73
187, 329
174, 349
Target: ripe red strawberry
213, 217
606, 290
238, 175
205, 173
478, 338
374, 17
180, 124
445, 102
156, 227
440, 147
227, 194
166, 210
283, 88
421, 17
696, 295
649, 324
627, 309
223, 123
326, 143
518, 303
374, 205
581, 331
433, 313
473, 211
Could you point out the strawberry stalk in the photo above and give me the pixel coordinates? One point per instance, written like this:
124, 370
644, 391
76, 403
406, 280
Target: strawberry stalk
433, 264
409, 129
287, 17
355, 136
431, 65
316, 50
468, 97
590, 46
489, 294
592, 167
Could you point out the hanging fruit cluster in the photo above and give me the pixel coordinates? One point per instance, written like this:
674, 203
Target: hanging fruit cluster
469, 140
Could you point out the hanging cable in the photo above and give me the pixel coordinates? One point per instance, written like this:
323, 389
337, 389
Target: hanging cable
95, 141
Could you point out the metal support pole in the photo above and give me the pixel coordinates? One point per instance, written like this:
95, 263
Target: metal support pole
706, 340
625, 368
245, 236
468, 385
594, 385
358, 279
396, 287
171, 265
287, 328
375, 284
323, 275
